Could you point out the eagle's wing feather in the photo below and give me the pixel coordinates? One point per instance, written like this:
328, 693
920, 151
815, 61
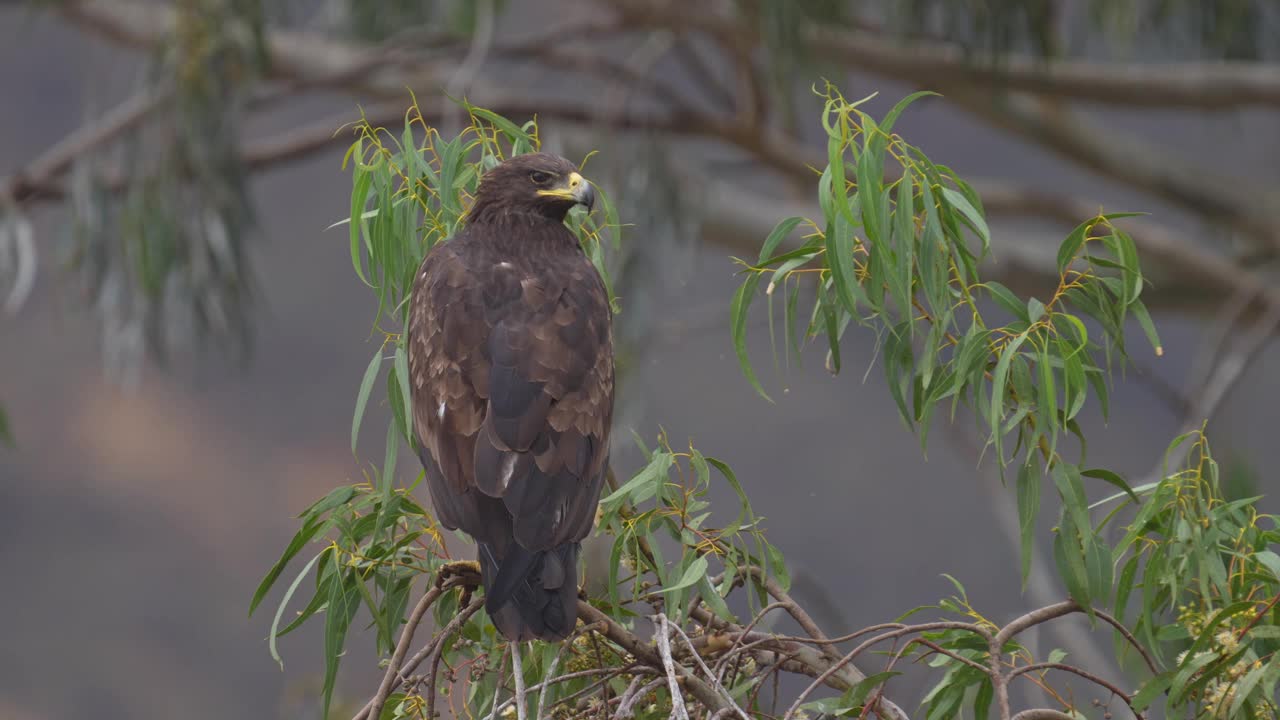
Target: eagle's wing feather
512, 368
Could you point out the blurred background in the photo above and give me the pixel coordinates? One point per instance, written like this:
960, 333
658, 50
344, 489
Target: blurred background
181, 339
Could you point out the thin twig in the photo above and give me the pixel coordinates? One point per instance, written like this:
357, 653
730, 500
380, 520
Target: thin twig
939, 649
608, 672
413, 662
1101, 682
433, 682
633, 695
1124, 631
402, 648
891, 635
723, 663
678, 709
517, 673
715, 681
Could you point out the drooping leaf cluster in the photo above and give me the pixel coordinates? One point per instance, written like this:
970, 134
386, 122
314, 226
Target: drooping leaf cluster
897, 251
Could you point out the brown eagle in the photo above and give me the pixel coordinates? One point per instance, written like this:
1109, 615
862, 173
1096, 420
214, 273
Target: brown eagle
511, 357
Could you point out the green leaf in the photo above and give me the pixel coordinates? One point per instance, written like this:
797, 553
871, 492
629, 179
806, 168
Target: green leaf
615, 562
1074, 501
1148, 327
904, 233
779, 566
886, 125
982, 700
714, 600
309, 529
1070, 561
1098, 567
1074, 391
835, 163
324, 581
738, 328
1028, 507
1035, 310
824, 195
1193, 663
696, 569
898, 369
362, 398
1150, 690
1112, 478
828, 309
780, 232
871, 186
966, 208
999, 380
1007, 300
334, 498
406, 397
1047, 398
511, 130
344, 600
1071, 246
840, 260
1269, 560
1124, 587
284, 603
359, 197
645, 484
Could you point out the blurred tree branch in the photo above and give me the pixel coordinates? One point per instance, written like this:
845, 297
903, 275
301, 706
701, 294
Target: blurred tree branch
726, 105
299, 60
1209, 85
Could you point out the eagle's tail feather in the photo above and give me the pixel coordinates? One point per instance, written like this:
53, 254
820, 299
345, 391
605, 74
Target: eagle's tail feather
531, 594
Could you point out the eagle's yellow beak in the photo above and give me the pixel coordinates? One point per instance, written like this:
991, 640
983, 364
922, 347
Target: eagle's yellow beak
575, 188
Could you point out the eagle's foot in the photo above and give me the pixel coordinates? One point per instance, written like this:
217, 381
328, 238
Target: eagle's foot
467, 572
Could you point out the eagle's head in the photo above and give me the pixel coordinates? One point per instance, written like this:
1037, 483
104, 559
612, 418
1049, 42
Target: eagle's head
537, 183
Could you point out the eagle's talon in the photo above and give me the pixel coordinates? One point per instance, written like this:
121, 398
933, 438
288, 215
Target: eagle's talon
459, 569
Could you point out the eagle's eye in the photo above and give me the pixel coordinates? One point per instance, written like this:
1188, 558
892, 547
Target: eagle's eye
539, 177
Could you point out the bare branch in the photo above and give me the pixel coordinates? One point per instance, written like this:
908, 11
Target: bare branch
1043, 714
713, 678
678, 709
517, 674
1201, 85
296, 55
1035, 617
619, 635
38, 175
1125, 158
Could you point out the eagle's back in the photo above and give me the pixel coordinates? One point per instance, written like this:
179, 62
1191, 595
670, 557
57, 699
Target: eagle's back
511, 361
